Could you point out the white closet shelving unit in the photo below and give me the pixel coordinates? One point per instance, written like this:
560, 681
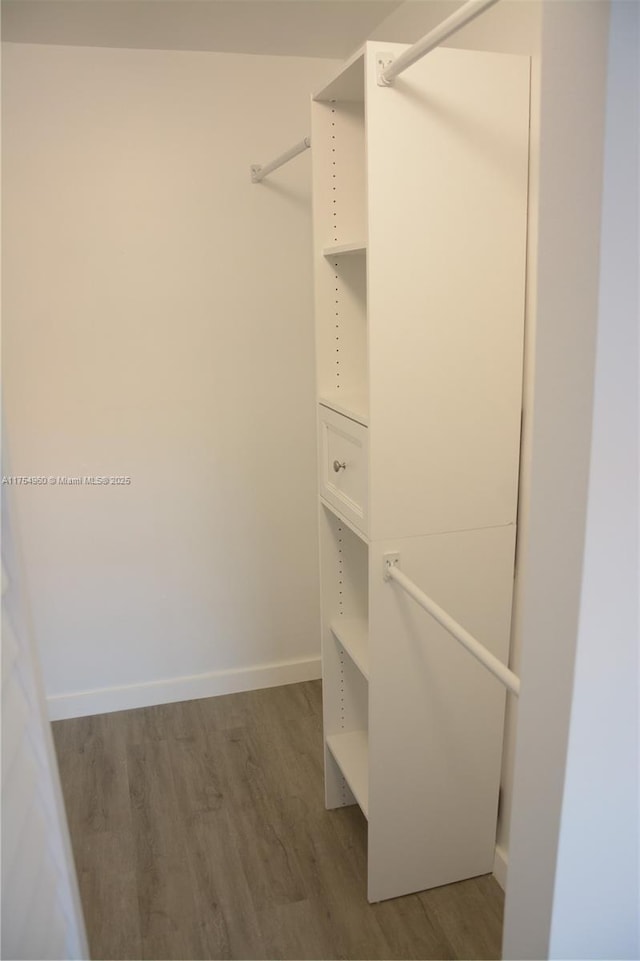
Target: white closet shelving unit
420, 206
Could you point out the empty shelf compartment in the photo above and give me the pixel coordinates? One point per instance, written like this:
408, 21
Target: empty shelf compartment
350, 751
352, 633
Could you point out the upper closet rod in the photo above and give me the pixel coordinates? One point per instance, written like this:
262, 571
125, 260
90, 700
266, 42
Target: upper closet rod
390, 70
467, 12
258, 171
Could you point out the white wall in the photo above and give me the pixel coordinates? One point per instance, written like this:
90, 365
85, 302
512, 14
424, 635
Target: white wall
158, 324
512, 26
596, 905
573, 856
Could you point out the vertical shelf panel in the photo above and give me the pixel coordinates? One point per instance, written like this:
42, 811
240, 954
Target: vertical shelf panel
341, 335
344, 567
338, 164
436, 716
446, 258
340, 239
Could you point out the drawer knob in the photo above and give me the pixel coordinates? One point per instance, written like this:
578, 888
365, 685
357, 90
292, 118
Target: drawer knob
337, 466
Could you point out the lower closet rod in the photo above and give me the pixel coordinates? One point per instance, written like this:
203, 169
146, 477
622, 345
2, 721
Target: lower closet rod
499, 670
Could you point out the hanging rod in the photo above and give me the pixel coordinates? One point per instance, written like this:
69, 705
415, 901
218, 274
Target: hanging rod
393, 573
258, 172
390, 69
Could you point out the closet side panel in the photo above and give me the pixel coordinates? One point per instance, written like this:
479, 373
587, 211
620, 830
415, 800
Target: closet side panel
435, 714
446, 275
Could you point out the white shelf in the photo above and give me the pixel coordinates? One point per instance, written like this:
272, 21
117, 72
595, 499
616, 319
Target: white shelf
348, 85
353, 634
344, 520
352, 404
351, 754
341, 250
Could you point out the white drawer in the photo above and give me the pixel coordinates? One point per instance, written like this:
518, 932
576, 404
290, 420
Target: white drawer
343, 459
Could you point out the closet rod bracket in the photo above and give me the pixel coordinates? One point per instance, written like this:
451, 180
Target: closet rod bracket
389, 559
383, 62
260, 171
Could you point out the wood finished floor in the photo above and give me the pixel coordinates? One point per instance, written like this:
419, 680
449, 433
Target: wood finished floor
199, 831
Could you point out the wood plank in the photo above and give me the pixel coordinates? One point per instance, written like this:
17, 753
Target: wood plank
268, 858
93, 769
470, 915
105, 864
169, 922
412, 931
297, 930
331, 850
198, 779
221, 888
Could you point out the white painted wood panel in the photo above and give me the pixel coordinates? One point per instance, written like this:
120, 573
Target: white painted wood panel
342, 250
344, 520
446, 261
435, 715
41, 914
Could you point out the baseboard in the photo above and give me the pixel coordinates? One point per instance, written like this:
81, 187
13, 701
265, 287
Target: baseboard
500, 862
106, 699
